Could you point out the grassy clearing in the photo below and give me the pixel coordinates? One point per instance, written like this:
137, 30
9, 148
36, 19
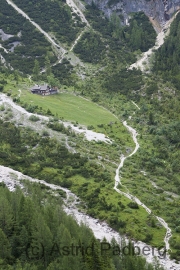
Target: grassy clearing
67, 106
76, 109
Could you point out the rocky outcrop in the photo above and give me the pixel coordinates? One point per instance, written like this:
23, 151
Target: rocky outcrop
158, 10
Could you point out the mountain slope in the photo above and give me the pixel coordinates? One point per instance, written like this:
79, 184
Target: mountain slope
159, 11
101, 50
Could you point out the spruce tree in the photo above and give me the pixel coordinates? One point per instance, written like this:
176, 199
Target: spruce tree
48, 66
36, 70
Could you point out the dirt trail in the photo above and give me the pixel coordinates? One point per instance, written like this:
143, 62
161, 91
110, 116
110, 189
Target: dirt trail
77, 39
100, 229
75, 9
53, 43
61, 51
70, 50
132, 197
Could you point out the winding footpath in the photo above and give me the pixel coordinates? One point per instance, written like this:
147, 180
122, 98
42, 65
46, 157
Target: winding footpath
61, 51
132, 197
12, 178
77, 39
71, 49
80, 14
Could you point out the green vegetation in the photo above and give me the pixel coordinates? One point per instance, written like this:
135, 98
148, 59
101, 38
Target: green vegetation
67, 106
90, 48
140, 34
167, 59
120, 213
107, 48
157, 123
115, 44
64, 73
54, 17
123, 81
45, 158
37, 222
34, 118
31, 43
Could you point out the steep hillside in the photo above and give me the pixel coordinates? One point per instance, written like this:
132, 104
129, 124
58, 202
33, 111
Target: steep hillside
167, 59
56, 30
21, 41
159, 11
111, 134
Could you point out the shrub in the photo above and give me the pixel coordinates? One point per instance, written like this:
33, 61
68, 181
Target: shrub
133, 205
45, 133
1, 87
90, 127
2, 108
34, 118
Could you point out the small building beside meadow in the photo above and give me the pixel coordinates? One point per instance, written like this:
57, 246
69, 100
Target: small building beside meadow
44, 90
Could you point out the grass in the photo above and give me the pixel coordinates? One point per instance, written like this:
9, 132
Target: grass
136, 220
77, 109
68, 106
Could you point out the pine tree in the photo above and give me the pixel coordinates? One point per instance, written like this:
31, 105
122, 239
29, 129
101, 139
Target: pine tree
5, 248
24, 241
48, 66
136, 36
151, 118
41, 238
36, 70
93, 256
6, 216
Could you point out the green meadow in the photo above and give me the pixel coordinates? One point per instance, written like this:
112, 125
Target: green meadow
67, 105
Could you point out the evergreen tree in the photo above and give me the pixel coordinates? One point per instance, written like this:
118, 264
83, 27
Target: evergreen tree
115, 24
6, 216
48, 66
5, 248
93, 257
36, 70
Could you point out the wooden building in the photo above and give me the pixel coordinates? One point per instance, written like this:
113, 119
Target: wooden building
44, 90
